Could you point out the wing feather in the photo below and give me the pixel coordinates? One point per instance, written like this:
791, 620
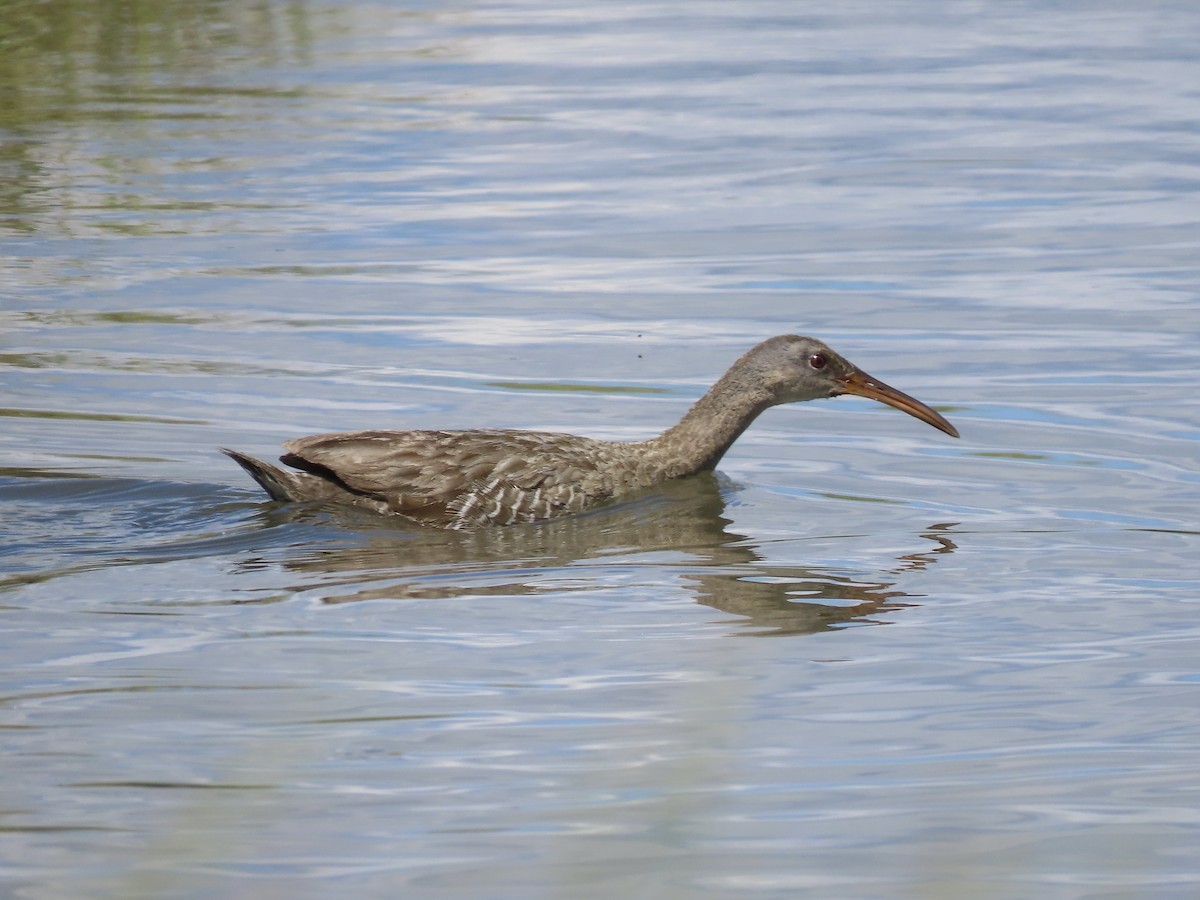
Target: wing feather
460, 479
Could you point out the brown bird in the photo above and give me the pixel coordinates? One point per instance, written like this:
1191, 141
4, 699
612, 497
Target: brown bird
467, 479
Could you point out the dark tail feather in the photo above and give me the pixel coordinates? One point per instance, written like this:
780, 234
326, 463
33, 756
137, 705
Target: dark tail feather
279, 484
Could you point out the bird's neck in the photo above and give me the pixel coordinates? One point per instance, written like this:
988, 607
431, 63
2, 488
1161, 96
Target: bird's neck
710, 427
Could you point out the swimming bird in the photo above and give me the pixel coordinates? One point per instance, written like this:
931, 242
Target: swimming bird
468, 479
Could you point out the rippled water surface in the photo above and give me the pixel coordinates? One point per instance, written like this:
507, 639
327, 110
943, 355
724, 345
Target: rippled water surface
864, 661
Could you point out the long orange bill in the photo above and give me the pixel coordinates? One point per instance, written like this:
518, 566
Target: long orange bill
862, 384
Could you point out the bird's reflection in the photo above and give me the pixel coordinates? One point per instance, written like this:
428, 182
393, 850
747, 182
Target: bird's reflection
680, 526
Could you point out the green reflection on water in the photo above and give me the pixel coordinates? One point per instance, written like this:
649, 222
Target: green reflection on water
856, 498
1023, 456
91, 417
1010, 454
573, 388
53, 51
73, 71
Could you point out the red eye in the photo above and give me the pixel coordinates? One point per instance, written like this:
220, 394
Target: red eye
817, 360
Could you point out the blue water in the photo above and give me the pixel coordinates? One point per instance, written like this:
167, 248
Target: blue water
865, 661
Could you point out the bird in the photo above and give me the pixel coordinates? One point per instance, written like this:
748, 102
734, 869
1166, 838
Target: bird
468, 479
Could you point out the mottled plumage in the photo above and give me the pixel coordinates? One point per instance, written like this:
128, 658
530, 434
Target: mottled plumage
467, 479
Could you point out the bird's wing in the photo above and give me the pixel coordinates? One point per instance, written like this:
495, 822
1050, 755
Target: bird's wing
422, 463
456, 479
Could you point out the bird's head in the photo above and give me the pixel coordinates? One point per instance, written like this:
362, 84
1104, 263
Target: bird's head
795, 368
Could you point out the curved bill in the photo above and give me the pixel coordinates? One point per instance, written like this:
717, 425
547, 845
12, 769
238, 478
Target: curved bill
862, 384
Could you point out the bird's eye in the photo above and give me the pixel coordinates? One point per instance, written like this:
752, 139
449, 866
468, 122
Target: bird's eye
817, 361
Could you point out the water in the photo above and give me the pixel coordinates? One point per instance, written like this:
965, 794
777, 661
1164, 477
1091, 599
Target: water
228, 225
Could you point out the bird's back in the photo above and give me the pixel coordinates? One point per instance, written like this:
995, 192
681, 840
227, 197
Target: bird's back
465, 479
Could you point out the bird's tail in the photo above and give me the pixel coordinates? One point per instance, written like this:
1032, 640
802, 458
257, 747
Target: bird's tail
279, 484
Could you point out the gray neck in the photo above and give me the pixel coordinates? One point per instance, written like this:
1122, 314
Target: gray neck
711, 426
